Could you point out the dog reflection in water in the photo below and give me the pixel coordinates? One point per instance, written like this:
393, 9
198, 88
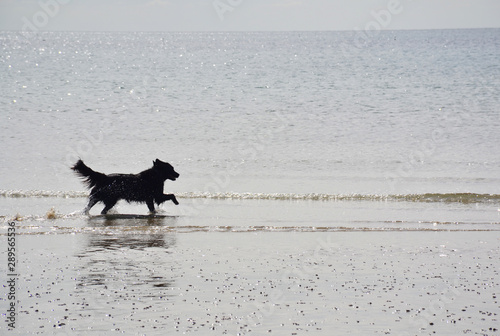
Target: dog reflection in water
145, 187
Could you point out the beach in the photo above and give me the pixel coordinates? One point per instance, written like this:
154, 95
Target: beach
282, 283
143, 275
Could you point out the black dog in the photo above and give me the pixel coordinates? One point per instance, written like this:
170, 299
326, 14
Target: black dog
147, 186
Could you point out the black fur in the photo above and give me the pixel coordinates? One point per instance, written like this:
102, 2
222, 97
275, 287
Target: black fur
145, 187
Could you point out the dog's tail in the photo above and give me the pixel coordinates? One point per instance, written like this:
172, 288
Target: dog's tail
90, 178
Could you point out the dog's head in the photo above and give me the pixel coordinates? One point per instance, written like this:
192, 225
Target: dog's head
165, 169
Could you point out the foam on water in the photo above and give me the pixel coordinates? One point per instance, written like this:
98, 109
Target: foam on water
465, 198
42, 193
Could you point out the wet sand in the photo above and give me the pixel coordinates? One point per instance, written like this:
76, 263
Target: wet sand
256, 283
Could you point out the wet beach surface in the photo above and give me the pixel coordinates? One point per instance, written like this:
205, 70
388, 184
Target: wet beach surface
260, 282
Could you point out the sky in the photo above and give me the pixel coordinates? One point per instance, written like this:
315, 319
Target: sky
246, 15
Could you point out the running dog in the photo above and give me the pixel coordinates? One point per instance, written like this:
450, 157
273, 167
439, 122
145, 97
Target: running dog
145, 187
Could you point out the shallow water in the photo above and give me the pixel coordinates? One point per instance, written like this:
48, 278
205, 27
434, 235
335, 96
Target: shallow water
256, 212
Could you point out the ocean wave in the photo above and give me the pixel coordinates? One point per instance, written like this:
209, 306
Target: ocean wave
465, 198
42, 193
426, 197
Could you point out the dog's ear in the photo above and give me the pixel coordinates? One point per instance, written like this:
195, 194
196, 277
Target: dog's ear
154, 163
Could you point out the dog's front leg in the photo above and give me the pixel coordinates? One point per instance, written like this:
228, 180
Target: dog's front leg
170, 197
151, 205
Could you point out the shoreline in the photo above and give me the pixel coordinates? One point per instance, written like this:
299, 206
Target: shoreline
64, 216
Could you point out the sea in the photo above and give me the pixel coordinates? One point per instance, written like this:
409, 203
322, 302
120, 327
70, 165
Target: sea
281, 140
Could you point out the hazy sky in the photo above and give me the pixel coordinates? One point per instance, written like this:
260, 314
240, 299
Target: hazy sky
223, 15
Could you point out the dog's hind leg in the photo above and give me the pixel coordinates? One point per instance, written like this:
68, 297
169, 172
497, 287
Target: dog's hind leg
108, 205
92, 202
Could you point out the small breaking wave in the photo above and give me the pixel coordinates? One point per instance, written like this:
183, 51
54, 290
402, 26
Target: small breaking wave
426, 197
465, 198
51, 214
42, 193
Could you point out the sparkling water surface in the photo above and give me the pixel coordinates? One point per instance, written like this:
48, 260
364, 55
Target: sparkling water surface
298, 112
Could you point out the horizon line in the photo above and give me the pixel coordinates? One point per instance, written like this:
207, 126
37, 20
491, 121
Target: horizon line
235, 31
